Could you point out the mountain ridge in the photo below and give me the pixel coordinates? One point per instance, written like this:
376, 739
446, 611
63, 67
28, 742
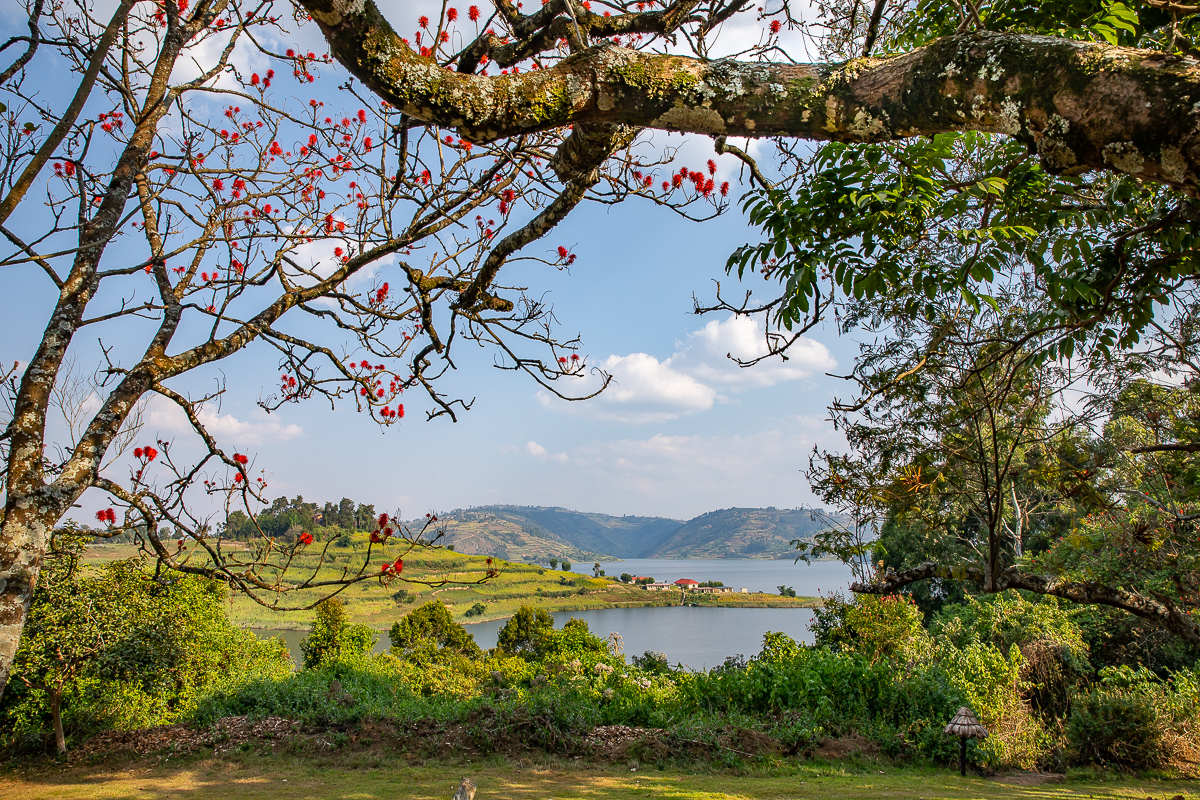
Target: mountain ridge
537, 533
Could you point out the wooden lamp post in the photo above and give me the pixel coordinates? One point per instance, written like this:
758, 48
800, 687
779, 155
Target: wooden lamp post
965, 726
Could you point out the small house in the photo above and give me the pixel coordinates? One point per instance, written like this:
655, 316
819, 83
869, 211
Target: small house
687, 583
658, 587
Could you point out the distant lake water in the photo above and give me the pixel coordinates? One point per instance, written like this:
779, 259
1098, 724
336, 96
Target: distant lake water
700, 638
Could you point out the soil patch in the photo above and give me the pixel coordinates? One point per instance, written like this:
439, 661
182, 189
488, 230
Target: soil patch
845, 747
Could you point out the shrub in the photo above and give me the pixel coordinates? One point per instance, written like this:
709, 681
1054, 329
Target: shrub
332, 637
432, 626
526, 632
1115, 729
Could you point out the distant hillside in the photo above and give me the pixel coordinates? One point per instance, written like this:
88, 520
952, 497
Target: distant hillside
741, 533
537, 533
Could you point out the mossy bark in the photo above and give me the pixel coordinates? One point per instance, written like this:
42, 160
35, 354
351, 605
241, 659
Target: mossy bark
1078, 105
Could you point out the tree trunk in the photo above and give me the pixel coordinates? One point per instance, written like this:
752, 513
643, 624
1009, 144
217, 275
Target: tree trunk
23, 539
60, 739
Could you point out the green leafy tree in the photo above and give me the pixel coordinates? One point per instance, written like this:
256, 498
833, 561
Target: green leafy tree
526, 633
113, 646
333, 637
432, 624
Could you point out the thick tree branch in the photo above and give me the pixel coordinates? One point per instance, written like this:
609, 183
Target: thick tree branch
1079, 105
1158, 611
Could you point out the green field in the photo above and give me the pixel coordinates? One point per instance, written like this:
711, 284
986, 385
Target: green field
374, 603
277, 778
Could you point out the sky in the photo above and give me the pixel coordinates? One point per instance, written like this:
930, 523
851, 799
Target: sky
681, 431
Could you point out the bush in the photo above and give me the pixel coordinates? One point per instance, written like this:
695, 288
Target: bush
1115, 729
333, 638
123, 650
476, 610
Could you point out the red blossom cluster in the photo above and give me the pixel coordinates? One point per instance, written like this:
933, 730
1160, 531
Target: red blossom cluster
107, 516
146, 453
394, 568
113, 120
776, 26
306, 538
265, 81
64, 168
566, 255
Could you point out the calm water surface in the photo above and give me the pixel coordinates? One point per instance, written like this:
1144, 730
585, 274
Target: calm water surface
700, 638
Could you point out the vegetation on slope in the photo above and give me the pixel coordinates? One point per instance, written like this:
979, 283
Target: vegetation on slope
378, 603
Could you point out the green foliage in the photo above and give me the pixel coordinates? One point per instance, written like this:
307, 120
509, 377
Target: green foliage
332, 637
432, 624
115, 647
476, 610
787, 591
880, 628
1134, 720
526, 633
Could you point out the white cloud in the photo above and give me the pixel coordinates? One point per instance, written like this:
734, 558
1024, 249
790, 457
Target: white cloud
643, 389
686, 474
646, 390
538, 451
226, 428
709, 352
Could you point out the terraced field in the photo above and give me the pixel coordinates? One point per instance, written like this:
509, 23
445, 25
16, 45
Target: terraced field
458, 580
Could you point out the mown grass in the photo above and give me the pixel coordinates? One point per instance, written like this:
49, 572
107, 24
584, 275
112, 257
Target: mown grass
251, 776
376, 603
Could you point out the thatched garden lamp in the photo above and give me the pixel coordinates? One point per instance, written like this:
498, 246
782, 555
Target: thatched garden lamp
965, 726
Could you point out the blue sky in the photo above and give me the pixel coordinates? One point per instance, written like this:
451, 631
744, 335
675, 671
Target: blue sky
680, 432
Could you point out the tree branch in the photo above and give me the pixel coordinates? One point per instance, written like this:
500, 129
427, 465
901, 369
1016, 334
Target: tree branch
1158, 611
1079, 105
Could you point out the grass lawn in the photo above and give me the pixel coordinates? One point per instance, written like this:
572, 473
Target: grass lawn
378, 605
278, 777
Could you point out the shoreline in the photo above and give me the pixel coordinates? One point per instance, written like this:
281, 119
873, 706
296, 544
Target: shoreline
799, 602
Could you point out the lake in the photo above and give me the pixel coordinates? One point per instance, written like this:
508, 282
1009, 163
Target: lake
700, 638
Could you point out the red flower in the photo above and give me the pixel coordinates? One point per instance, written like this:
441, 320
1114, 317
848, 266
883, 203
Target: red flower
398, 567
376, 538
562, 251
712, 167
724, 188
306, 538
452, 14
423, 21
776, 25
241, 459
383, 520
137, 452
473, 13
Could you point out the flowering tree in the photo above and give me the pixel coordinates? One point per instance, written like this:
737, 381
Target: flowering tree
193, 191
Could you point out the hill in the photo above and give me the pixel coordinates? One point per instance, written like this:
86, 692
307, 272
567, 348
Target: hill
741, 533
535, 533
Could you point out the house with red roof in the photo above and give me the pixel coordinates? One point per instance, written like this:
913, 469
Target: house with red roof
687, 583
